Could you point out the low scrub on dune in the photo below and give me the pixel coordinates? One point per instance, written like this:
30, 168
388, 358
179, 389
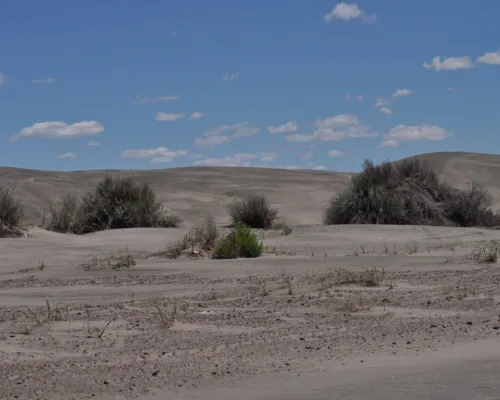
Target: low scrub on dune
202, 237
240, 242
114, 203
253, 211
407, 193
11, 213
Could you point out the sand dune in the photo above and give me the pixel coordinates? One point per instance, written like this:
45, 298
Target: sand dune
192, 192
326, 312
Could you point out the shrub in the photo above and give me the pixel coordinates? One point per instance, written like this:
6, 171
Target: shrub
114, 203
11, 213
408, 193
63, 216
469, 207
253, 211
240, 242
404, 193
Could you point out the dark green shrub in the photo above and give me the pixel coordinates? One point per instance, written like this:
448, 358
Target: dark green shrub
253, 211
408, 193
11, 213
240, 242
115, 203
404, 193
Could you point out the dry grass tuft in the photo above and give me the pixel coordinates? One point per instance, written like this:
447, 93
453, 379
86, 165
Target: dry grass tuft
486, 252
202, 237
114, 260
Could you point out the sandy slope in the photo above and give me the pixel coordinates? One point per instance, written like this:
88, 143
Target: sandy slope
192, 192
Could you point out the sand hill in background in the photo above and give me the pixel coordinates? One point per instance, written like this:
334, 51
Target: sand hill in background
192, 192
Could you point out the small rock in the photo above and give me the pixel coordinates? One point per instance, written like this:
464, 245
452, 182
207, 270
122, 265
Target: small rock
155, 373
469, 323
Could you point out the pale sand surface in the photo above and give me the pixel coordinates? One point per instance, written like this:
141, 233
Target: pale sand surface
429, 330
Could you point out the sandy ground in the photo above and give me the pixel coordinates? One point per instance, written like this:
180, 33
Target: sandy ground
350, 312
283, 324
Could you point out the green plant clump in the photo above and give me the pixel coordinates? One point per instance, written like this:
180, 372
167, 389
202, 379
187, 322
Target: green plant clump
240, 242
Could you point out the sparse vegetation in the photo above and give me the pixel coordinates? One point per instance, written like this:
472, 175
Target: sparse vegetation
114, 203
240, 242
253, 211
408, 193
486, 252
11, 213
114, 260
202, 237
372, 277
166, 319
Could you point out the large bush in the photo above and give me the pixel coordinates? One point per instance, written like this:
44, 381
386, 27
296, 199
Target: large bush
114, 203
406, 193
240, 242
11, 213
253, 211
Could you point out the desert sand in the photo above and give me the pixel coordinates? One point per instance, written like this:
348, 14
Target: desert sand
349, 312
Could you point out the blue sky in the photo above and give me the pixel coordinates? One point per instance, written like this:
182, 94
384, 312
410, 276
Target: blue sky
308, 84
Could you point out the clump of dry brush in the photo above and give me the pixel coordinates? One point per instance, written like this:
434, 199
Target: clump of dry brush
408, 193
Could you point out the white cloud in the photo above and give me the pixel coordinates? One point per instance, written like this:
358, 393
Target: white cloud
66, 155
449, 63
320, 168
292, 167
402, 93
492, 58
347, 12
307, 155
268, 157
42, 81
159, 99
334, 129
195, 156
158, 155
161, 116
60, 130
406, 133
93, 144
389, 143
231, 77
3, 79
236, 160
335, 153
381, 102
338, 120
386, 110
197, 115
226, 133
290, 126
